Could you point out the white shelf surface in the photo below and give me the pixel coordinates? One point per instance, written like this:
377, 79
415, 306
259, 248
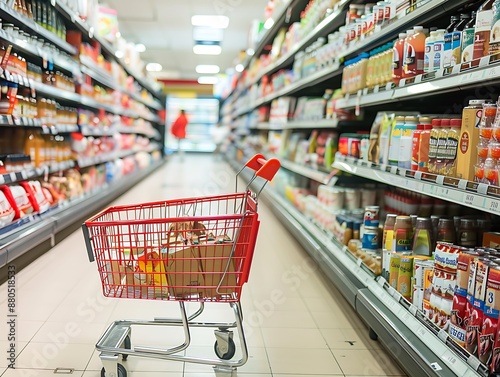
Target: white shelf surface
309, 172
478, 196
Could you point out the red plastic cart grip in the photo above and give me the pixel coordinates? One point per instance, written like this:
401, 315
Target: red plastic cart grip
266, 169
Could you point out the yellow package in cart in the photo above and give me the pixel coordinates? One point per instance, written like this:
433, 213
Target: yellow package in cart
150, 271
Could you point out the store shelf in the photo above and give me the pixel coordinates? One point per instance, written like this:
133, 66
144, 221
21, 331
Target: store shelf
8, 14
84, 162
35, 172
37, 229
427, 10
302, 124
89, 31
475, 195
59, 60
310, 172
399, 326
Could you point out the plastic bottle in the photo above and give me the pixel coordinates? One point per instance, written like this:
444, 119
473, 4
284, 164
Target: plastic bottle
438, 62
433, 141
422, 240
452, 141
494, 46
441, 156
448, 39
397, 58
415, 146
429, 52
395, 141
415, 53
409, 34
405, 143
467, 48
456, 44
484, 18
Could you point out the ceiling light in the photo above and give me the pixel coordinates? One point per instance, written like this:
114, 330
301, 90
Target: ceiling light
212, 80
220, 22
239, 67
119, 54
268, 24
207, 68
140, 47
207, 49
207, 34
153, 67
250, 51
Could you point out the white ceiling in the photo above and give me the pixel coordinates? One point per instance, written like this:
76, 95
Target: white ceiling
164, 27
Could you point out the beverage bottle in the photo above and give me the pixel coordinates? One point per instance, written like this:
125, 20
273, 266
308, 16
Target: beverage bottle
456, 44
429, 52
467, 48
441, 147
495, 29
448, 38
452, 141
397, 59
395, 140
414, 62
438, 62
409, 34
405, 143
415, 146
484, 18
433, 141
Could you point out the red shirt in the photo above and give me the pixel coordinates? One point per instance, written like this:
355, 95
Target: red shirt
179, 127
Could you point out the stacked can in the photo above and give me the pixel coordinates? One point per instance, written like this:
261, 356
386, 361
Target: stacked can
370, 238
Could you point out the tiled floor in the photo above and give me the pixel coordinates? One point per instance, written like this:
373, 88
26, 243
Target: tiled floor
296, 323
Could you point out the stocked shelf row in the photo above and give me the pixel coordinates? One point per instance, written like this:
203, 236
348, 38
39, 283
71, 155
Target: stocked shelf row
37, 229
475, 195
89, 30
428, 351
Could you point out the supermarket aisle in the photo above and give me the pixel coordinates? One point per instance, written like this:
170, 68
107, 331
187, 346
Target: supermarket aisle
296, 323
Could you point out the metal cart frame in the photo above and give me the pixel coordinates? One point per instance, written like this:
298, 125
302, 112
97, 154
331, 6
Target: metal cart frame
116, 342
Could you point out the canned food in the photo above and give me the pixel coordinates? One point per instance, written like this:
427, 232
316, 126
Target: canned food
372, 216
370, 238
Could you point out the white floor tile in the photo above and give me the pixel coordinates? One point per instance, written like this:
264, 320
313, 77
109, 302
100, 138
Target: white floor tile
303, 361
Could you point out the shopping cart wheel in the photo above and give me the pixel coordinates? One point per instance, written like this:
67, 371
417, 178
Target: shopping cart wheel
122, 372
231, 350
126, 344
373, 335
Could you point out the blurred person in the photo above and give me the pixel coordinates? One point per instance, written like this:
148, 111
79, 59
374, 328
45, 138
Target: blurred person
178, 129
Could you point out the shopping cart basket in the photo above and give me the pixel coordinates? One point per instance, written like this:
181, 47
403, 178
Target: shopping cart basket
191, 249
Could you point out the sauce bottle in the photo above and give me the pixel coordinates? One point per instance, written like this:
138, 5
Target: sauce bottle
397, 60
433, 143
423, 147
414, 63
446, 230
403, 233
422, 241
448, 38
441, 147
484, 18
452, 147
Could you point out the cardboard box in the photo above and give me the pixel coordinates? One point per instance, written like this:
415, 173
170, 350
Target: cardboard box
469, 139
215, 258
491, 239
184, 272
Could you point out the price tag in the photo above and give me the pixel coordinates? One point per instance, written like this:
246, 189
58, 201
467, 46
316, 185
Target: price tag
440, 180
359, 262
2, 179
25, 175
381, 281
394, 169
413, 310
462, 184
402, 172
450, 358
443, 335
13, 177
492, 205
418, 175
482, 188
421, 332
436, 367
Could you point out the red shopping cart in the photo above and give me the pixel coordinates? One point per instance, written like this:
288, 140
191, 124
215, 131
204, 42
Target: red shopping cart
191, 249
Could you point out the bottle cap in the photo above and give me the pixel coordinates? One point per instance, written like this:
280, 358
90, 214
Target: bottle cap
445, 122
436, 123
456, 123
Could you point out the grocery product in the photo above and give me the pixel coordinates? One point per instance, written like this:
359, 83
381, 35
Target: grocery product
405, 142
415, 52
438, 57
484, 19
433, 145
494, 45
457, 38
467, 48
448, 41
398, 58
403, 233
422, 239
395, 140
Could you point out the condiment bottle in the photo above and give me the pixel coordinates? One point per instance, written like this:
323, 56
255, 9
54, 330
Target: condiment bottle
403, 233
388, 235
446, 231
452, 141
484, 19
441, 156
397, 60
415, 146
423, 147
433, 144
422, 241
467, 233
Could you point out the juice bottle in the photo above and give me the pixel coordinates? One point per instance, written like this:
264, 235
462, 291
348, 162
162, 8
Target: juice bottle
397, 59
414, 63
448, 38
456, 44
409, 34
405, 143
415, 146
32, 147
429, 52
484, 19
438, 62
433, 141
395, 140
495, 30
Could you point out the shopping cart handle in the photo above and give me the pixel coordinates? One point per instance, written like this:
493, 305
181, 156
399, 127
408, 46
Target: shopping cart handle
266, 169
